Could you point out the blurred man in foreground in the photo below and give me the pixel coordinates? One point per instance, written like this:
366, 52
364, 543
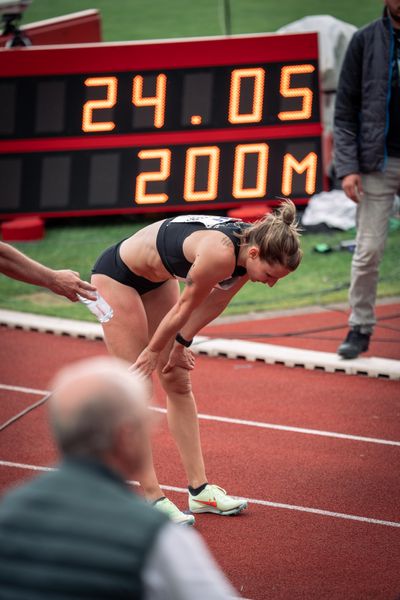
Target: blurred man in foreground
79, 532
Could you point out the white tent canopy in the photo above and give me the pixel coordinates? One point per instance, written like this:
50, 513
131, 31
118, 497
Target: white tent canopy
333, 39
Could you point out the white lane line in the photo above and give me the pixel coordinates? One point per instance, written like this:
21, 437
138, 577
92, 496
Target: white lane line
179, 490
259, 424
330, 434
23, 390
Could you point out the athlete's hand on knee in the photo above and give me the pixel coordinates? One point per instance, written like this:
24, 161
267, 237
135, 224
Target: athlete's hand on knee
146, 362
179, 357
352, 187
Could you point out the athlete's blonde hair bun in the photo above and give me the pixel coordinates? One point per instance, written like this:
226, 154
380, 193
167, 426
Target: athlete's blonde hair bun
277, 235
287, 211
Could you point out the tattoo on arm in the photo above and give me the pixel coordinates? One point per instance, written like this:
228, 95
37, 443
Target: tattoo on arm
189, 280
225, 241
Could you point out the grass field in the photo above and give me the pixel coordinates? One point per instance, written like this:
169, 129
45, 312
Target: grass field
321, 279
147, 19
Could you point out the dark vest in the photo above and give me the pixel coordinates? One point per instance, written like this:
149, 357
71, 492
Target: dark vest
76, 533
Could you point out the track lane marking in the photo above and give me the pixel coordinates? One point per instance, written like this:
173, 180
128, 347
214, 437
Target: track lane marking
179, 490
23, 390
245, 422
330, 434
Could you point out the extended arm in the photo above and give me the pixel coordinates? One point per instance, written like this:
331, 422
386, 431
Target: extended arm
64, 282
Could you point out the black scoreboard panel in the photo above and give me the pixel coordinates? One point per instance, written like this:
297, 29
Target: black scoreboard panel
118, 177
187, 99
223, 123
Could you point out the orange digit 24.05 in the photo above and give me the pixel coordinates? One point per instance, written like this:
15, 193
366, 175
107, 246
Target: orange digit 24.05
288, 92
108, 102
237, 77
158, 100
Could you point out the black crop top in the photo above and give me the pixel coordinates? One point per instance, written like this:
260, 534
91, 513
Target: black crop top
173, 233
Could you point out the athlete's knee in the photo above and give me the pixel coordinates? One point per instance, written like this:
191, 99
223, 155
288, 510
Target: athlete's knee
176, 381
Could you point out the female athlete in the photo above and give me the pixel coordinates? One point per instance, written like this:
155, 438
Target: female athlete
153, 324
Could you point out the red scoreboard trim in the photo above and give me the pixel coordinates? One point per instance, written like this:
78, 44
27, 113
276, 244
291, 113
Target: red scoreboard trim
137, 210
156, 54
156, 139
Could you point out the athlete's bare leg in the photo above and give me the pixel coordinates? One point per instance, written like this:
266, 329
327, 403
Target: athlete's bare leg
126, 335
182, 411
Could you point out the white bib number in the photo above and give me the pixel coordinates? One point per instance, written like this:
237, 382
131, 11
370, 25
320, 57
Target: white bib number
208, 221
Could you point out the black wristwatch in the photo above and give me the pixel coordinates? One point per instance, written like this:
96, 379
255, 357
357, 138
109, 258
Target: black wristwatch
181, 340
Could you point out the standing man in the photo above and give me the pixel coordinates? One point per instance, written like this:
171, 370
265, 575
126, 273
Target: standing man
79, 533
367, 157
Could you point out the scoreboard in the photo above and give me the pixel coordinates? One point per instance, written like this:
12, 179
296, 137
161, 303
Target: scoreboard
208, 123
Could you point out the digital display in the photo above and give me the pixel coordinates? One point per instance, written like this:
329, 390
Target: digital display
161, 176
215, 98
225, 122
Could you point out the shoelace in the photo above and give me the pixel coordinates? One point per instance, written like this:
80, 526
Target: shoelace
219, 489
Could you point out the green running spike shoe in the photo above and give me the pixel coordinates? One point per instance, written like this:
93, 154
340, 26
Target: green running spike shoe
214, 499
168, 508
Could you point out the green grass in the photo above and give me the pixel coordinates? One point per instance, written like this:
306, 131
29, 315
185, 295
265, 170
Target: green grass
152, 19
320, 279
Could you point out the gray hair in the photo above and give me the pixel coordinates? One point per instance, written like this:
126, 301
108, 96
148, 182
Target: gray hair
90, 400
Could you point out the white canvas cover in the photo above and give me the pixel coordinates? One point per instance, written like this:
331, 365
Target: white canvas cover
333, 38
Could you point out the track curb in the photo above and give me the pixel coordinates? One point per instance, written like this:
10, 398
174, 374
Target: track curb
219, 347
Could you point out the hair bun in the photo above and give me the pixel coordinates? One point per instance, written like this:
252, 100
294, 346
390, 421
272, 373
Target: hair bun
287, 212
277, 236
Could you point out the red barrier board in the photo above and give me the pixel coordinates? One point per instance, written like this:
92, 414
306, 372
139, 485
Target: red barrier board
76, 28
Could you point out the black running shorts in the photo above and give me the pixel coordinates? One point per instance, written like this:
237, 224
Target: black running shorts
111, 264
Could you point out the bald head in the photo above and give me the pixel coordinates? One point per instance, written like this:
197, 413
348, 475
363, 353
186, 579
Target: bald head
92, 400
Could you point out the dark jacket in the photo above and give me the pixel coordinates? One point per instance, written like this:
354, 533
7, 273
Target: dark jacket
362, 102
75, 533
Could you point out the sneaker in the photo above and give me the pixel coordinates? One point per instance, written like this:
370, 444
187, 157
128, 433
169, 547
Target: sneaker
214, 499
355, 343
177, 516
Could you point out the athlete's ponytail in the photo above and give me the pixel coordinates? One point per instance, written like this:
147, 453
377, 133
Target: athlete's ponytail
277, 236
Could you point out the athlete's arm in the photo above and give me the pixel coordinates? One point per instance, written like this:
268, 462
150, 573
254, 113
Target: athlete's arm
210, 309
64, 282
204, 274
207, 269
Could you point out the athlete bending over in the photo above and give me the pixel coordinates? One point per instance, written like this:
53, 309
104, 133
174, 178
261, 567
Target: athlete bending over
154, 324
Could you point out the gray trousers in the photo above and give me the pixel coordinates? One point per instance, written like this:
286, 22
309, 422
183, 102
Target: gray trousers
373, 213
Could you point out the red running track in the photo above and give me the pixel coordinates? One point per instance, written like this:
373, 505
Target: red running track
268, 552
323, 330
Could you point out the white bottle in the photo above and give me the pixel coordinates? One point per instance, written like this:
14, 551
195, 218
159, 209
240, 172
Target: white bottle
99, 307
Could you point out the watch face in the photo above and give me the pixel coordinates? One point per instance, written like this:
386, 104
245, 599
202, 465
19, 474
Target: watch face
177, 125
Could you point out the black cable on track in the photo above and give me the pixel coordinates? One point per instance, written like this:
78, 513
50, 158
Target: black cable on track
24, 412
